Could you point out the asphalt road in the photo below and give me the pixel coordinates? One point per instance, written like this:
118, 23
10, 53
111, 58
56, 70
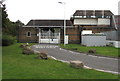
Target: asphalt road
95, 62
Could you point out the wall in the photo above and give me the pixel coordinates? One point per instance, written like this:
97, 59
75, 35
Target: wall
103, 21
113, 35
85, 21
73, 34
22, 35
95, 40
113, 43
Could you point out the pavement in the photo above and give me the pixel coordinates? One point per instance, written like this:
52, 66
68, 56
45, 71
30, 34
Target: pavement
96, 62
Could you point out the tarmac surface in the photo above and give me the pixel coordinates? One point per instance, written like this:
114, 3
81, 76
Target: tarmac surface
96, 62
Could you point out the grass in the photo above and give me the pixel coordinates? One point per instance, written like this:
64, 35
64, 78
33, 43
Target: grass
29, 44
19, 66
0, 62
105, 51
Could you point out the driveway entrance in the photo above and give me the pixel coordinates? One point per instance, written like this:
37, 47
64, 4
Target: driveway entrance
96, 62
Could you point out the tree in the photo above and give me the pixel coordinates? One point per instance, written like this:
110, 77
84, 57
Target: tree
8, 26
19, 23
4, 18
12, 27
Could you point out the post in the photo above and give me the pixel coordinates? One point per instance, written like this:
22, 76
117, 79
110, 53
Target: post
64, 21
102, 13
1, 40
39, 36
64, 26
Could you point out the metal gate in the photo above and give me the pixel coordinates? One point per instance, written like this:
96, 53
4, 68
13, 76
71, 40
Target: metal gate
49, 35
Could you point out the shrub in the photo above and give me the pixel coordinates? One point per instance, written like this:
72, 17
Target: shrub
7, 40
92, 51
43, 55
74, 48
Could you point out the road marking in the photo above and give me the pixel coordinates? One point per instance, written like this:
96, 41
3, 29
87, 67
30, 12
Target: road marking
109, 58
63, 49
88, 67
91, 55
103, 57
45, 46
71, 51
107, 71
37, 46
53, 46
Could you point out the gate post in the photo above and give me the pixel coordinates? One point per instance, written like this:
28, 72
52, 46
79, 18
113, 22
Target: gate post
39, 34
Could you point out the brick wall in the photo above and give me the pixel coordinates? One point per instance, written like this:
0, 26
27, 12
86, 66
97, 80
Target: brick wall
73, 34
22, 35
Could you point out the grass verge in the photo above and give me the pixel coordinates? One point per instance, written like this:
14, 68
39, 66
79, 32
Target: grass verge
104, 51
19, 66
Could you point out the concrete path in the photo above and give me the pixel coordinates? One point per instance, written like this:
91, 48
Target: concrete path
96, 62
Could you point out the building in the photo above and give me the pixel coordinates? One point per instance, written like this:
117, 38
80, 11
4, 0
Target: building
113, 37
52, 31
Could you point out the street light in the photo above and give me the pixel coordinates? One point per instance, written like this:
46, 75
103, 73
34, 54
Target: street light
64, 21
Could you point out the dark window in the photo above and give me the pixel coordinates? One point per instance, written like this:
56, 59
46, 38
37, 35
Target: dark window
28, 34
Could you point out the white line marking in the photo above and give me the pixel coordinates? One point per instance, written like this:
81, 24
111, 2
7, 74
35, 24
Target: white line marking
63, 49
53, 57
89, 67
103, 57
71, 51
92, 56
44, 46
107, 71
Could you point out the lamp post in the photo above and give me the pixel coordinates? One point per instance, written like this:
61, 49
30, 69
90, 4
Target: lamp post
64, 20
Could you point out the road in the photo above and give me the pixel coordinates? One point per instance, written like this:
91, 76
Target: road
96, 62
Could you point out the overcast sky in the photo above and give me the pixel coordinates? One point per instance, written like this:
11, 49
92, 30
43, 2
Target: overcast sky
25, 10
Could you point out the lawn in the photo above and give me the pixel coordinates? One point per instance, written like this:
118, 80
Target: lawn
19, 66
105, 51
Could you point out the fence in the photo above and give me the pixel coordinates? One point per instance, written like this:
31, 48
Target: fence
112, 35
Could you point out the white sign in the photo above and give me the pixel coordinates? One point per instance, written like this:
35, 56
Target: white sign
66, 39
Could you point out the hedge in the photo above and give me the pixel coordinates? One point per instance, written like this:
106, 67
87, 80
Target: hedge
7, 40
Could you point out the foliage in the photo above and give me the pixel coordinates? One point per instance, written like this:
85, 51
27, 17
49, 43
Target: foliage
4, 16
8, 26
7, 40
19, 66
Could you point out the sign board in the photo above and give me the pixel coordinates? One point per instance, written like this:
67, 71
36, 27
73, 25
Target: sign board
66, 39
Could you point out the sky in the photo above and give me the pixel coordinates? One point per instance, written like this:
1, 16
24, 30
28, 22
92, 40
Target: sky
25, 10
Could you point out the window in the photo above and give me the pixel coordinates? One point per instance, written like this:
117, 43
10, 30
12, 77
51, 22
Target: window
28, 34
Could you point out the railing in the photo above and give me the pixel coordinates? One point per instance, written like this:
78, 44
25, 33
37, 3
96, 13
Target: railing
49, 36
92, 16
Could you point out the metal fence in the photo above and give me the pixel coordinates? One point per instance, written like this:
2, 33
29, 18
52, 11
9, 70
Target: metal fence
49, 35
112, 35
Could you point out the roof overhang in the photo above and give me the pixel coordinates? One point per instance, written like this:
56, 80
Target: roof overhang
46, 26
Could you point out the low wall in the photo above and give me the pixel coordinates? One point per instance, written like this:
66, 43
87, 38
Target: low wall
94, 40
113, 43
